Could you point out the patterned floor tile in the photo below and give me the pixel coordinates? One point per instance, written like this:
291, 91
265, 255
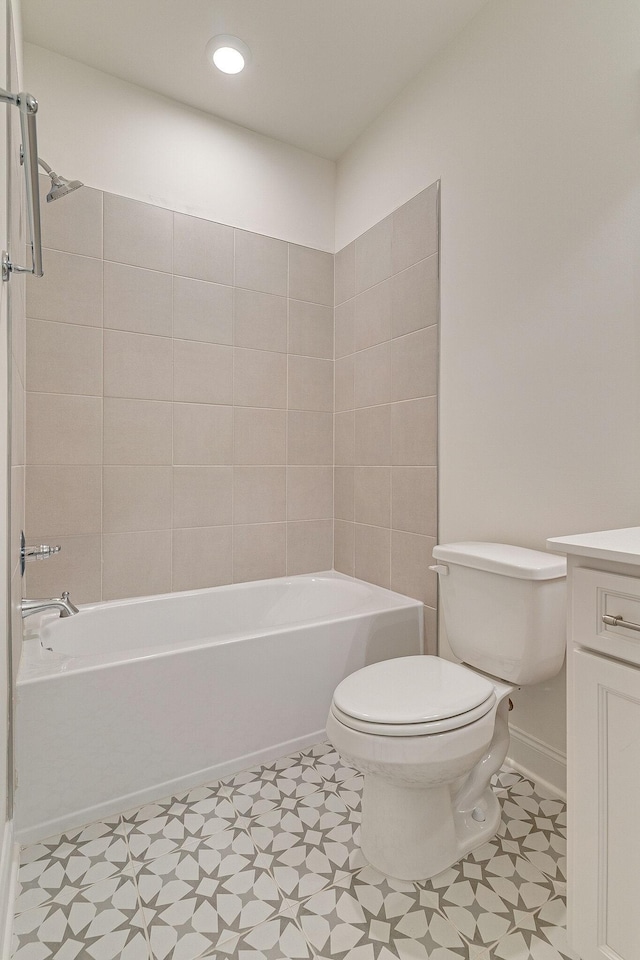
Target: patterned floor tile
371, 917
505, 779
491, 891
261, 790
311, 846
179, 822
538, 823
75, 859
278, 939
266, 866
547, 940
341, 779
195, 900
101, 922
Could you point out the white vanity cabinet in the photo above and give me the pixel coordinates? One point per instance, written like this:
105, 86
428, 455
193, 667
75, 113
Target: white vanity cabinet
603, 752
604, 876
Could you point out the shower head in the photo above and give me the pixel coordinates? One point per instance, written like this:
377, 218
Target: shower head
60, 186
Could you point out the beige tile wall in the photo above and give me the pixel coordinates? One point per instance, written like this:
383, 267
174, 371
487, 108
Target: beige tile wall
183, 425
179, 401
386, 386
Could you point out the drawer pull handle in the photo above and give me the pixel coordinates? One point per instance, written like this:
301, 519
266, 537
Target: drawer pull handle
619, 622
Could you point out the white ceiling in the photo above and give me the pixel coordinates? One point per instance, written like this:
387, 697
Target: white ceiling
321, 70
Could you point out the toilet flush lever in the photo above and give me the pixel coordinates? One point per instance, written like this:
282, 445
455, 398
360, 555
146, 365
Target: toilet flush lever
441, 569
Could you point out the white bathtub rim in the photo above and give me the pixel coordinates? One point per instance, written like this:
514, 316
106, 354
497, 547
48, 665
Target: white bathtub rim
225, 588
36, 622
68, 665
163, 791
57, 665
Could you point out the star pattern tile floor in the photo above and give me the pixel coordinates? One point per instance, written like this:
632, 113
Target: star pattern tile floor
266, 866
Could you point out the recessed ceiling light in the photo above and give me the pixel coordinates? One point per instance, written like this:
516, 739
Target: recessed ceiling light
228, 54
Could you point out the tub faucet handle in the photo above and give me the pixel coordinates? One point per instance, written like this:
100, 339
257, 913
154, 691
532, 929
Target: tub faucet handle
40, 552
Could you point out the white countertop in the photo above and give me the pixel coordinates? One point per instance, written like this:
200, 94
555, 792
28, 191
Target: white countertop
621, 545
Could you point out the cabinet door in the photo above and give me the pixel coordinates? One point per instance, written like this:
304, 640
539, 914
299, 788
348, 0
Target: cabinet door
604, 833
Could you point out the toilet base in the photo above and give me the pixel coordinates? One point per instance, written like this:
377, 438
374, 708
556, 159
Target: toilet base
414, 833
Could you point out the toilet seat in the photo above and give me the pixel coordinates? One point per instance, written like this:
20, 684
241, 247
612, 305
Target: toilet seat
412, 696
414, 729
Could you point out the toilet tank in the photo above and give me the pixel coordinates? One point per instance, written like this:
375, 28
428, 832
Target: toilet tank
504, 608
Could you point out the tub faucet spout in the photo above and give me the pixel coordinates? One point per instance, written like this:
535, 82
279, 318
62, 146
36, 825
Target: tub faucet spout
63, 604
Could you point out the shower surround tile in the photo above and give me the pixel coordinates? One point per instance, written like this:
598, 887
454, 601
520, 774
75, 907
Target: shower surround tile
224, 348
202, 249
261, 263
70, 290
266, 864
64, 358
415, 296
82, 419
202, 311
309, 493
137, 431
260, 321
136, 564
386, 403
78, 226
137, 366
170, 341
309, 546
310, 330
137, 300
214, 548
310, 275
136, 233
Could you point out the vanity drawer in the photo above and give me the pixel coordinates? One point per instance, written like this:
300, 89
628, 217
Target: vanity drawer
606, 613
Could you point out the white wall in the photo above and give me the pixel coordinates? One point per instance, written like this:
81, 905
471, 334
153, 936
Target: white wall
531, 119
124, 139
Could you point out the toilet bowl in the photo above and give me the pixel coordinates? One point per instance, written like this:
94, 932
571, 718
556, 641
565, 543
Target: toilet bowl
428, 735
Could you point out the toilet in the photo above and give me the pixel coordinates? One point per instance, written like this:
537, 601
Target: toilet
427, 733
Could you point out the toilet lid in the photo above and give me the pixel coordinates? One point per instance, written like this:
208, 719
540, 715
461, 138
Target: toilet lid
411, 690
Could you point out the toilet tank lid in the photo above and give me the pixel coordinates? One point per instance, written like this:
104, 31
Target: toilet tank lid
503, 558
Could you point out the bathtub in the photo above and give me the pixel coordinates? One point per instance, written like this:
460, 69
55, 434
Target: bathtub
133, 700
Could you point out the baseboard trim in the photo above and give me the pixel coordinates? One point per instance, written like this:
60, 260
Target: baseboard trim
9, 858
537, 760
33, 833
